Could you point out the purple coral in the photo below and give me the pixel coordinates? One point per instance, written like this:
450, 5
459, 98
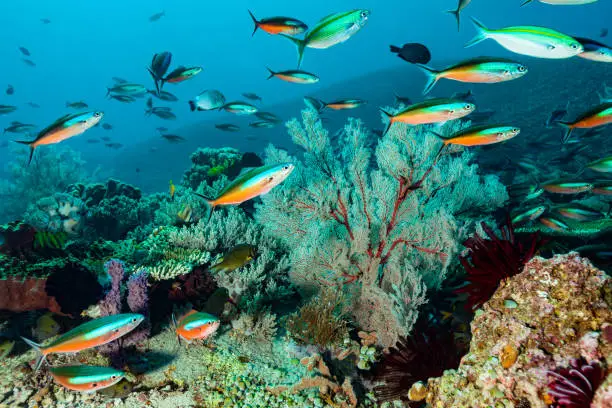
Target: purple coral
138, 301
111, 304
575, 386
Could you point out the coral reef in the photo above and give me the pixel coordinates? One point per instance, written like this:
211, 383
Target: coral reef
208, 164
553, 312
382, 224
576, 385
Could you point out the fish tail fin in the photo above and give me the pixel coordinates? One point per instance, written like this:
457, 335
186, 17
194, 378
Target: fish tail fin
568, 131
526, 2
444, 144
483, 33
390, 117
254, 22
41, 358
432, 77
156, 79
210, 207
457, 15
272, 73
192, 105
31, 149
300, 44
108, 92
394, 49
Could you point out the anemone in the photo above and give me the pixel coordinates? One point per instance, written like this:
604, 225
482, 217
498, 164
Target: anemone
575, 386
492, 260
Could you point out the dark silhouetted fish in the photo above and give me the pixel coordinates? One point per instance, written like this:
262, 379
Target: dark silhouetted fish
465, 96
413, 53
18, 127
25, 51
252, 96
122, 98
262, 124
457, 13
106, 138
10, 90
118, 80
5, 109
173, 138
114, 145
228, 127
269, 116
33, 105
402, 100
556, 116
162, 114
93, 141
45, 20
603, 33
157, 16
107, 126
164, 96
77, 105
28, 62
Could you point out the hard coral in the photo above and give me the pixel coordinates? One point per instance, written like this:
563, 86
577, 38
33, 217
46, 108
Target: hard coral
492, 260
575, 386
554, 311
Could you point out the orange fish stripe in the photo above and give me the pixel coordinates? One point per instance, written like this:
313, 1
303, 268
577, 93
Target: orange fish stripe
55, 137
65, 381
593, 122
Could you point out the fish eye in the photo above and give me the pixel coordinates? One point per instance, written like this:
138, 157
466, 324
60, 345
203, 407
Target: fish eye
113, 377
364, 14
94, 385
285, 167
516, 130
468, 107
134, 320
521, 68
574, 46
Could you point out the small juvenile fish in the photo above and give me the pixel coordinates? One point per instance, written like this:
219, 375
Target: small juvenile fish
457, 13
481, 135
251, 184
239, 108
252, 96
228, 127
207, 100
262, 124
295, 76
570, 187
331, 30
185, 214
63, 128
33, 105
25, 51
127, 89
10, 90
269, 116
430, 111
123, 98
602, 165
28, 62
107, 126
561, 2
345, 104
553, 223
181, 74
77, 105
478, 70
278, 25
594, 50
88, 335
114, 145
196, 326
162, 114
578, 212
86, 378
534, 41
235, 258
6, 346
599, 116
157, 16
173, 138
413, 53
529, 215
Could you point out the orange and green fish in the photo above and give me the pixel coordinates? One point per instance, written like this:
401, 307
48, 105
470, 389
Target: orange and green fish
64, 128
602, 165
251, 184
481, 135
569, 187
181, 74
603, 188
553, 223
235, 258
599, 116
430, 111
295, 76
196, 326
86, 378
529, 215
88, 335
481, 70
344, 104
578, 212
279, 25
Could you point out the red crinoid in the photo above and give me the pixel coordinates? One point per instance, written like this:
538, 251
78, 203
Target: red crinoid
575, 386
491, 260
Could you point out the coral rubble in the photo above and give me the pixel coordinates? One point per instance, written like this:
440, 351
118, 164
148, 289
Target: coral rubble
552, 313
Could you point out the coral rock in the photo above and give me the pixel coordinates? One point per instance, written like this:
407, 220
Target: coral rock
559, 316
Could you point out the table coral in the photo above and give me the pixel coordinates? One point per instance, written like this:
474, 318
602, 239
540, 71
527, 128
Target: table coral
543, 318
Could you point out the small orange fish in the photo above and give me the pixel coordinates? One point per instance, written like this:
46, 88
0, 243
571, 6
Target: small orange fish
86, 378
598, 116
571, 187
172, 190
279, 25
196, 326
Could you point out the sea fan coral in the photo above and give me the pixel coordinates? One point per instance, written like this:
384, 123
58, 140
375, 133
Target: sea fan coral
489, 261
575, 386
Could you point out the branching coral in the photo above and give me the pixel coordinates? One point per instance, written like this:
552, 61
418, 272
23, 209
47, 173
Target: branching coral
386, 220
491, 260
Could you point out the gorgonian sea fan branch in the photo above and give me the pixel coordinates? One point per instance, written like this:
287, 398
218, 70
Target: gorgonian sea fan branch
491, 260
575, 386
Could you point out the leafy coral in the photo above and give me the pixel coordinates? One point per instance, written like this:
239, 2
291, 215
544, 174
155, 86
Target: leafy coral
387, 220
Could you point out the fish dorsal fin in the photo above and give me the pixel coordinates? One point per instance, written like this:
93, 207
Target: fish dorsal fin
245, 170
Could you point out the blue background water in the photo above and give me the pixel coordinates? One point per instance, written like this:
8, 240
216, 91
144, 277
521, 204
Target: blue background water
89, 42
